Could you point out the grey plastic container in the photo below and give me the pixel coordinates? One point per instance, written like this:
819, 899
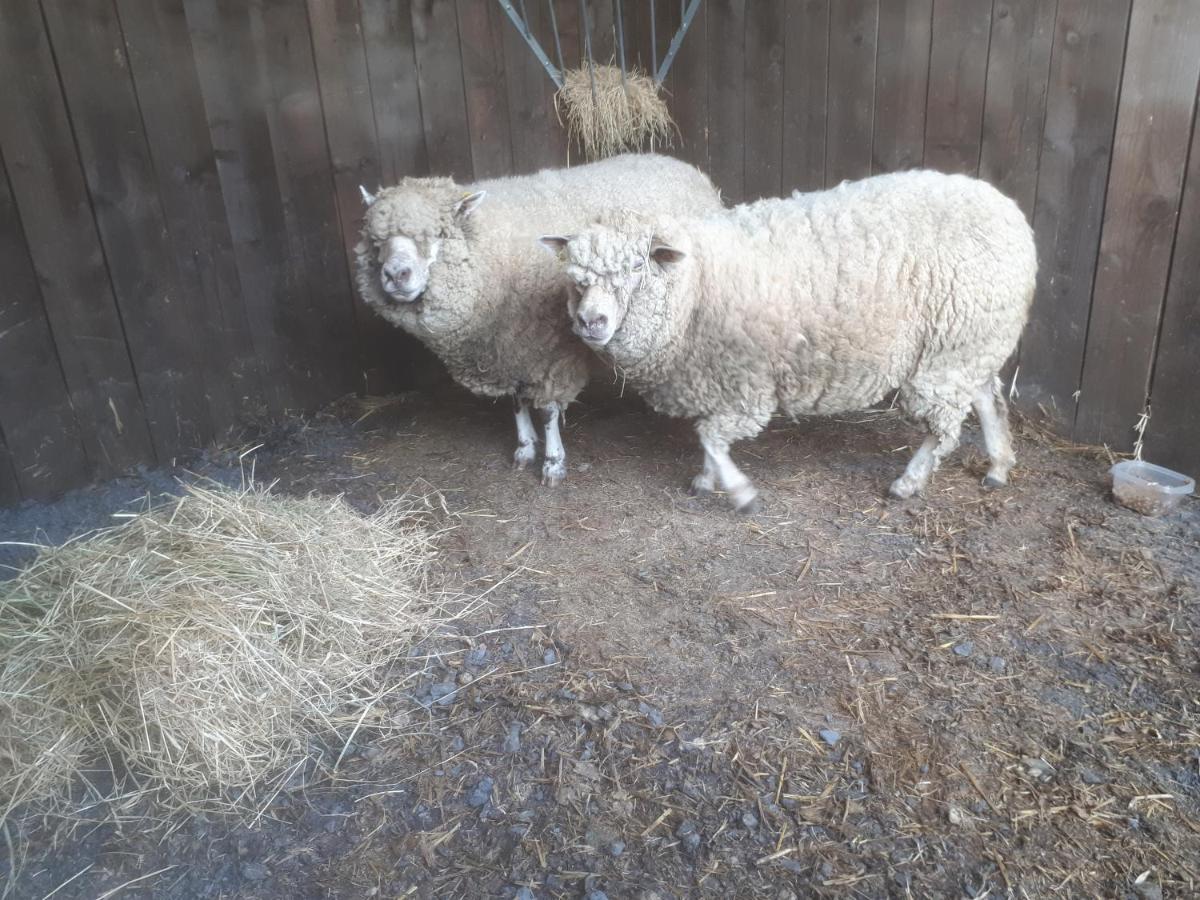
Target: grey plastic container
1149, 489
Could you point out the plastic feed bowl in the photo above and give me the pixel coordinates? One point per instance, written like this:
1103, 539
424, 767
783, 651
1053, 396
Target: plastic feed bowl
1147, 488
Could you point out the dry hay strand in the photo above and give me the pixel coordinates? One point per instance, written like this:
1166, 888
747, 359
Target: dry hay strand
622, 113
208, 643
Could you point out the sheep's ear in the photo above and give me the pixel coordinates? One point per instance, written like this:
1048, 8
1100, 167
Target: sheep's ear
555, 243
467, 204
664, 255
367, 197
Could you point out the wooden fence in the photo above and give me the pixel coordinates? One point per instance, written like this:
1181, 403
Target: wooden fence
179, 185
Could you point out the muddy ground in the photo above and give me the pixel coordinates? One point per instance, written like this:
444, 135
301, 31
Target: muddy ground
968, 694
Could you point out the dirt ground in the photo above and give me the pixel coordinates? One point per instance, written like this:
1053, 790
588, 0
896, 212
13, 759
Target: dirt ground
964, 695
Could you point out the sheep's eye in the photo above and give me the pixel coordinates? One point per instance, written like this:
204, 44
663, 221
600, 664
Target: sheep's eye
637, 264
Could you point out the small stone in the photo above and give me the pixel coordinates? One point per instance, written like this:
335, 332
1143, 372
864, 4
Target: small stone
997, 664
829, 736
966, 648
792, 866
458, 743
688, 836
254, 871
1091, 776
750, 820
655, 717
477, 657
595, 895
1147, 889
512, 743
465, 677
956, 815
826, 869
443, 694
523, 893
481, 794
1038, 768
616, 848
549, 657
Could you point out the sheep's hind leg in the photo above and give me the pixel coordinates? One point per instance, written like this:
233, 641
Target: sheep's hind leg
526, 437
716, 452
554, 468
706, 482
992, 410
928, 457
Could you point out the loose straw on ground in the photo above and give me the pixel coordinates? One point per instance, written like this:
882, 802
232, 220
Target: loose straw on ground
207, 644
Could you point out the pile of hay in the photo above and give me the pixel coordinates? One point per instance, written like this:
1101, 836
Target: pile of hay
206, 644
620, 114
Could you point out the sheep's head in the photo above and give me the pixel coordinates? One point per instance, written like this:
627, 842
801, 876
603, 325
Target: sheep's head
621, 270
405, 229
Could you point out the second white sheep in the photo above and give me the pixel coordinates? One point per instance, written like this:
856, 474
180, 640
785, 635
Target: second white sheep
821, 303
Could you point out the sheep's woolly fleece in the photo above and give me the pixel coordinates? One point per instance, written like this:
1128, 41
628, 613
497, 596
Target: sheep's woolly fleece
819, 303
493, 309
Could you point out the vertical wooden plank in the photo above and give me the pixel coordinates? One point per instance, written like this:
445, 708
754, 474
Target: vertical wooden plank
10, 493
1015, 105
853, 31
957, 76
443, 99
318, 179
160, 314
806, 81
764, 99
604, 42
537, 140
233, 84
481, 29
689, 92
901, 84
1158, 93
1173, 432
726, 97
392, 72
159, 52
1081, 104
48, 185
35, 409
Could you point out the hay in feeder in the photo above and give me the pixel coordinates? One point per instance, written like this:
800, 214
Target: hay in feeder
207, 644
620, 114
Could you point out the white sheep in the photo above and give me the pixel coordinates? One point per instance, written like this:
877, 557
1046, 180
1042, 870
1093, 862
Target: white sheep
464, 276
821, 303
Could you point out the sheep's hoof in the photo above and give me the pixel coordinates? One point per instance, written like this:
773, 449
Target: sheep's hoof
553, 472
991, 483
701, 486
526, 453
749, 507
901, 490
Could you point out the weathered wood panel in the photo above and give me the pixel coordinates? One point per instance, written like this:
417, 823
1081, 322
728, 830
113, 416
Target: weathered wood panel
440, 80
957, 75
764, 43
901, 84
1173, 432
481, 28
689, 95
1081, 105
726, 97
853, 30
159, 315
806, 81
9, 492
395, 97
1154, 123
538, 140
159, 52
1015, 103
36, 417
56, 214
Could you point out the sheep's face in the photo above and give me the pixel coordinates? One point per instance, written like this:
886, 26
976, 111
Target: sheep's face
616, 277
406, 230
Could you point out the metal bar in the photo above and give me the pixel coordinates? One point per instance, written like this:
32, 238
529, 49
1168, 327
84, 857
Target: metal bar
688, 15
532, 41
619, 25
653, 40
557, 42
587, 45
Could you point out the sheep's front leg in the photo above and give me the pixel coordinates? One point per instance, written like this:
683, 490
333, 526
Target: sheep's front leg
554, 468
739, 488
923, 464
706, 482
526, 437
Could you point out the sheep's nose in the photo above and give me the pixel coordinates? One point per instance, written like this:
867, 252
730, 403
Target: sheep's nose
592, 324
398, 272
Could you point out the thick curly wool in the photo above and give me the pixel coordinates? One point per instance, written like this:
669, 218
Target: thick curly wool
819, 303
493, 307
